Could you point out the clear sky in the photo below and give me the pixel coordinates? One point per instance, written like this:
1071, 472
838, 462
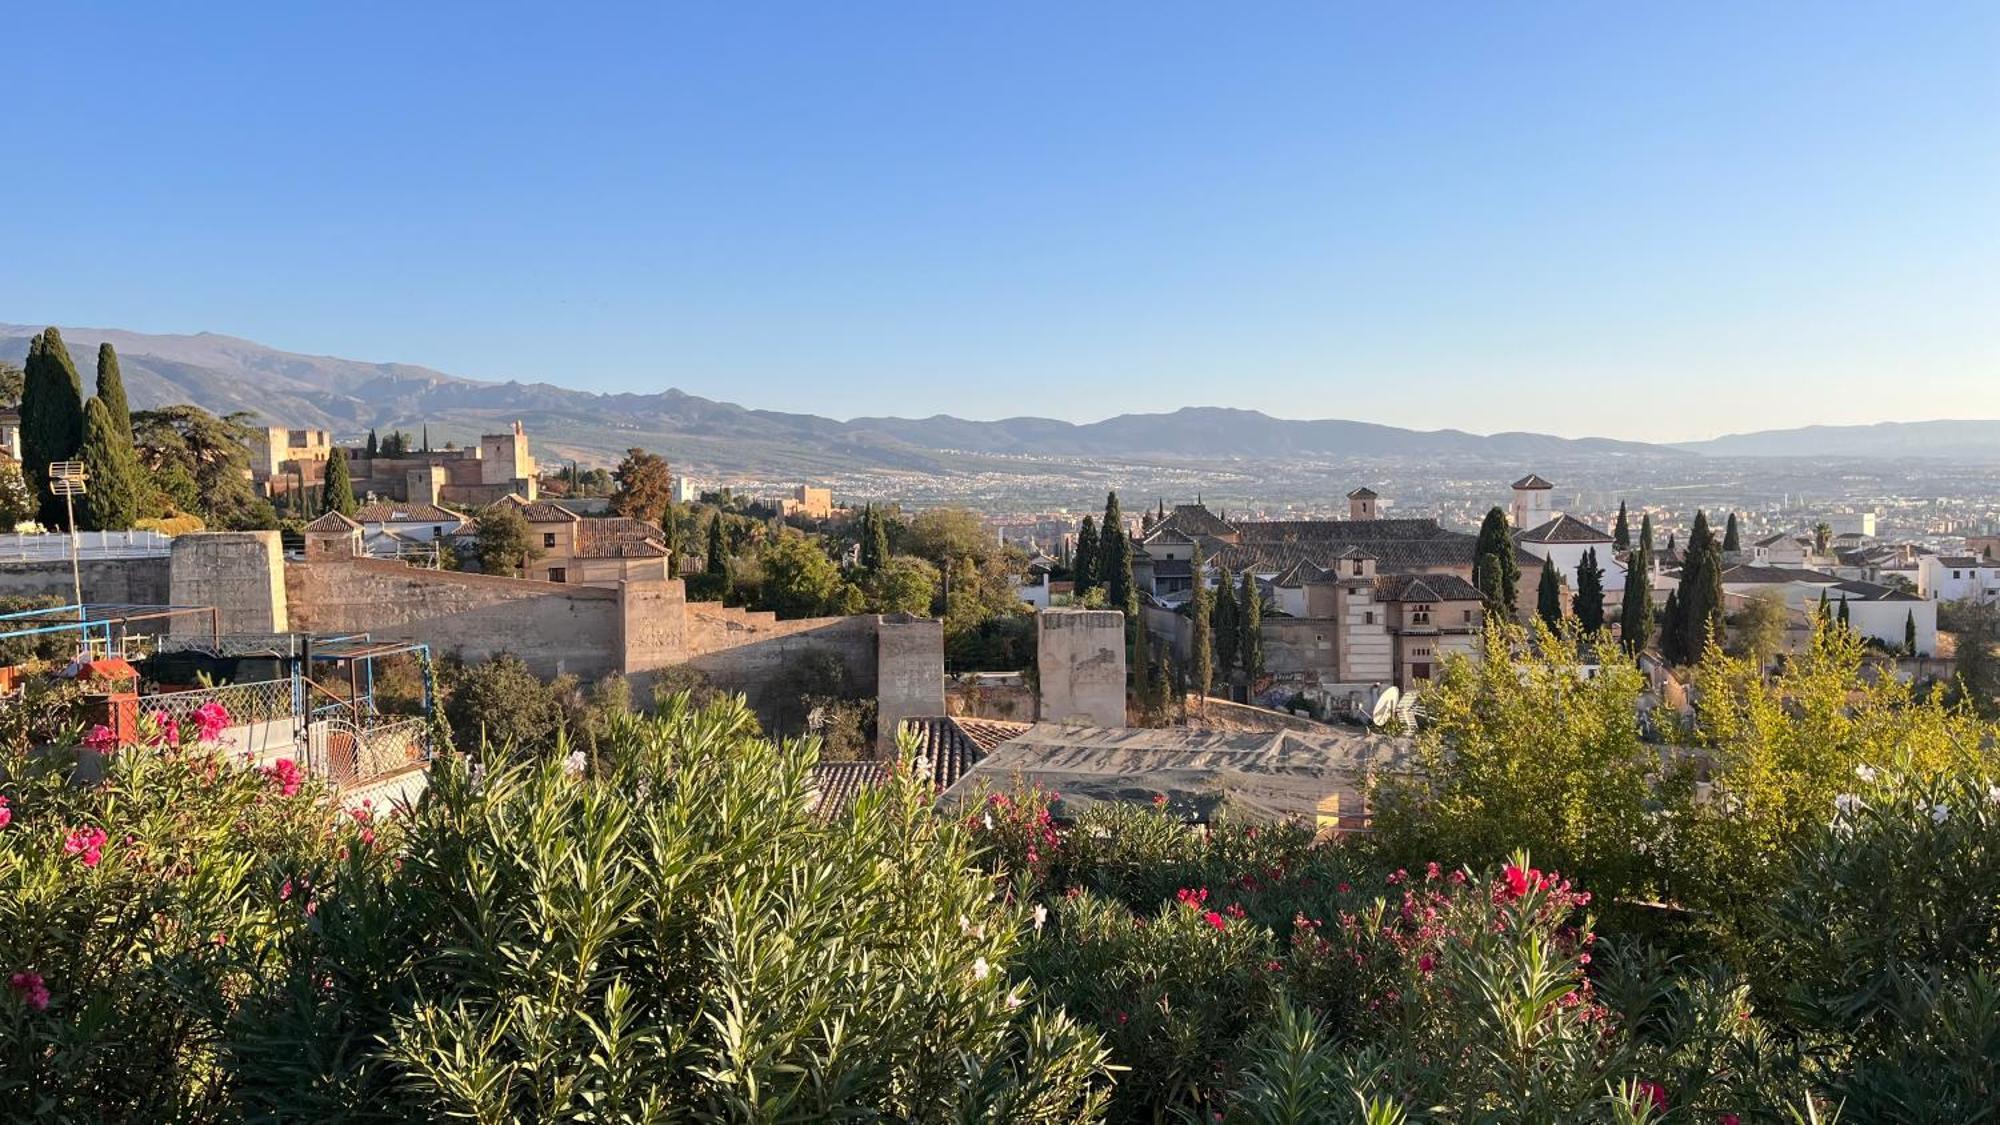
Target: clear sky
1646, 221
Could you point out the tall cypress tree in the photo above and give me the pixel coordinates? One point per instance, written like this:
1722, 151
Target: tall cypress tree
718, 560
1670, 630
1910, 633
874, 539
1700, 621
1621, 532
1731, 537
111, 391
1635, 619
116, 489
1201, 630
1250, 615
1589, 600
1843, 613
1646, 533
51, 419
375, 450
1083, 567
338, 493
1114, 557
1548, 596
1494, 570
1222, 620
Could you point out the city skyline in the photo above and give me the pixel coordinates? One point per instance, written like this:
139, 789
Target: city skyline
1552, 221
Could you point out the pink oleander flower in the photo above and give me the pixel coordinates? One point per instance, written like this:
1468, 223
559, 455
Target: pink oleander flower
1519, 882
286, 775
210, 720
1427, 963
1729, 1119
170, 731
101, 739
1655, 1093
6, 814
86, 844
1215, 920
32, 990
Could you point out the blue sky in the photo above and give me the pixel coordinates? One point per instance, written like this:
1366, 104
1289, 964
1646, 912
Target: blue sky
1591, 218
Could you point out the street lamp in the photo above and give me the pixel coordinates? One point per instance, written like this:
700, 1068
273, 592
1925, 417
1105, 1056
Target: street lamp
66, 479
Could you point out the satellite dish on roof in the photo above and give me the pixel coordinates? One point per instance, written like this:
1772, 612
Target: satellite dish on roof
1385, 707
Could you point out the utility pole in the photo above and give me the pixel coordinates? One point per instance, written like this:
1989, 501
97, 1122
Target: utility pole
66, 479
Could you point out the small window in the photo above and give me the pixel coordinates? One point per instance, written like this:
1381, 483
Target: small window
548, 539
1368, 618
1357, 568
1468, 617
558, 574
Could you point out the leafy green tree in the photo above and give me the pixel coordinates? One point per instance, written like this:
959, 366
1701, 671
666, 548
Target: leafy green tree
1548, 597
1494, 569
1621, 531
874, 539
1589, 601
1114, 556
17, 502
1250, 615
337, 494
111, 391
1201, 629
645, 485
1226, 626
12, 381
51, 419
202, 463
903, 584
1083, 565
1759, 627
1732, 536
799, 580
1635, 618
117, 487
500, 705
504, 543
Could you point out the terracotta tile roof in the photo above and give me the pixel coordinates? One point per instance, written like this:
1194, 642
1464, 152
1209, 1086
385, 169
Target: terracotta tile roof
1194, 519
382, 512
541, 511
836, 784
954, 745
1363, 493
1532, 481
1565, 529
332, 521
618, 537
1424, 588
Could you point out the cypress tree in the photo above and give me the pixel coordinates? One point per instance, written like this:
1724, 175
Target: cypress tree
1222, 621
1670, 542
1589, 601
1114, 559
874, 539
1250, 614
1201, 632
1731, 537
1822, 616
1910, 633
1162, 689
1548, 596
338, 494
375, 449
1646, 533
1494, 570
1083, 568
1635, 620
1670, 630
718, 562
1700, 621
1843, 613
111, 391
1621, 532
116, 489
51, 419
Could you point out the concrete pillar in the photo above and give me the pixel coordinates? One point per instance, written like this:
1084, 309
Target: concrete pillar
240, 573
1080, 662
909, 675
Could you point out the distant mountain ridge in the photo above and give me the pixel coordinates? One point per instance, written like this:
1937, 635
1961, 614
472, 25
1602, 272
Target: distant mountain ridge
225, 373
1960, 439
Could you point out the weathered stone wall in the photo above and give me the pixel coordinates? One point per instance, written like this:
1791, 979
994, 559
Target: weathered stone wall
756, 654
1301, 647
240, 573
141, 581
1080, 663
909, 678
554, 628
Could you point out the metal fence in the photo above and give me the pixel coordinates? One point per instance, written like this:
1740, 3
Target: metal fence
260, 702
89, 545
348, 755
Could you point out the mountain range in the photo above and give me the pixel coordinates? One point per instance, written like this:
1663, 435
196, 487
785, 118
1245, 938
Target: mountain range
224, 374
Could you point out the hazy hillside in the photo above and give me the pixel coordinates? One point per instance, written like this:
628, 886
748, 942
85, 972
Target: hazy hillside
224, 373
1973, 440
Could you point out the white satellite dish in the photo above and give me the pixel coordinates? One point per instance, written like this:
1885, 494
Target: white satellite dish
1384, 710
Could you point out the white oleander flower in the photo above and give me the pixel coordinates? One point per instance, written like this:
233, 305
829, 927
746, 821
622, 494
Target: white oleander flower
573, 765
980, 969
1865, 772
1940, 812
1041, 916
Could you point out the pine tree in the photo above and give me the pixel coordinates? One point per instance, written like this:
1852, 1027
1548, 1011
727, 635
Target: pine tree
1589, 602
1621, 532
111, 391
1910, 633
1494, 570
338, 494
375, 447
1731, 537
1548, 596
1222, 621
1646, 533
1201, 630
1083, 567
116, 489
51, 419
1635, 620
1114, 556
1250, 615
718, 559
